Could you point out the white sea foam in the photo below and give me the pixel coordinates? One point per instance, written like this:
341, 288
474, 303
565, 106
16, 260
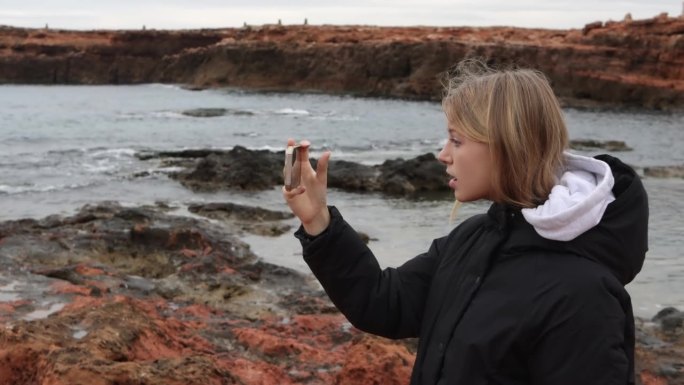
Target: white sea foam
165, 170
292, 111
23, 189
114, 152
267, 147
166, 86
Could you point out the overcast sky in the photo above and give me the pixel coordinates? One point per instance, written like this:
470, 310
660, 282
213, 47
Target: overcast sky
176, 14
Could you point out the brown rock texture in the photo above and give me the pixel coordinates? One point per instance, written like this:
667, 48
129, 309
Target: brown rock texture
629, 63
660, 349
125, 296
136, 296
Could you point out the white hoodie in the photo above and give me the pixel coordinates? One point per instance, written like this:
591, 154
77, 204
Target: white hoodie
577, 202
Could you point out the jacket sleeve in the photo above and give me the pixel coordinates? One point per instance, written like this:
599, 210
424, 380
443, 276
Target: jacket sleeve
385, 302
582, 339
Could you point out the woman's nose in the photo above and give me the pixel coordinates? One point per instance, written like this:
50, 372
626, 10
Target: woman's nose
443, 155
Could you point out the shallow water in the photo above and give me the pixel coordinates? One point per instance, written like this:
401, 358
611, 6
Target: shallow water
65, 146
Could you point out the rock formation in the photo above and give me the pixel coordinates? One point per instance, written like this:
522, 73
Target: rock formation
627, 63
117, 295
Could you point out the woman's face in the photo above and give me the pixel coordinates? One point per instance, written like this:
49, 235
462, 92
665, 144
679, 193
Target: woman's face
470, 165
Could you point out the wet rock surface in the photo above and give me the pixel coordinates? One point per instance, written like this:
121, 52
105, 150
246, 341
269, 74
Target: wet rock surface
255, 170
251, 219
116, 295
238, 169
135, 295
214, 112
244, 169
591, 144
664, 171
660, 348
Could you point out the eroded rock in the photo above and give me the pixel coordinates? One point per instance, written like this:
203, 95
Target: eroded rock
591, 144
116, 295
629, 63
664, 171
244, 169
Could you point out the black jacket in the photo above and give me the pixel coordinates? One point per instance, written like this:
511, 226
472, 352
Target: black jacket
495, 303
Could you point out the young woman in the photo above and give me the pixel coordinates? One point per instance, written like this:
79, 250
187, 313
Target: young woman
532, 292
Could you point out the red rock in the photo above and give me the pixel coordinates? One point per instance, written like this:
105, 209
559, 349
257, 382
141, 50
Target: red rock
89, 271
11, 307
372, 361
638, 62
253, 373
279, 347
648, 378
189, 253
196, 334
64, 287
197, 311
82, 302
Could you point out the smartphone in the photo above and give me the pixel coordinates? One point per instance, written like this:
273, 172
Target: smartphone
293, 167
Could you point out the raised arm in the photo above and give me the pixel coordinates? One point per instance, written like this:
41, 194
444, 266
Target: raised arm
386, 302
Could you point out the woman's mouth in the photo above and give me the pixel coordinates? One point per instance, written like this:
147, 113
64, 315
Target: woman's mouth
452, 183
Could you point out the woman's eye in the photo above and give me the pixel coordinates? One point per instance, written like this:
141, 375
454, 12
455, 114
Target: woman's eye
455, 142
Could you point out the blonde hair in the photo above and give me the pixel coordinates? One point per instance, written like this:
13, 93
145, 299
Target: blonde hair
515, 112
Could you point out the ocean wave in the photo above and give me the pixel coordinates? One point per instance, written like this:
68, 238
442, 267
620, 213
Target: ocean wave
336, 118
112, 153
292, 111
164, 114
167, 170
27, 139
31, 188
68, 151
267, 147
165, 86
100, 168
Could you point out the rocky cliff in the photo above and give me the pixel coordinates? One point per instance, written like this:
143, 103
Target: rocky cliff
628, 63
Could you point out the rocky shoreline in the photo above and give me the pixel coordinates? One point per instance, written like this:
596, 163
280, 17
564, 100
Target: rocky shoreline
116, 295
138, 295
630, 63
254, 170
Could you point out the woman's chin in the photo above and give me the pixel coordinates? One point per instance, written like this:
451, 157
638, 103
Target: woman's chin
461, 197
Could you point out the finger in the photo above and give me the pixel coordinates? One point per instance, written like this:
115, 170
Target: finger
322, 168
289, 195
304, 151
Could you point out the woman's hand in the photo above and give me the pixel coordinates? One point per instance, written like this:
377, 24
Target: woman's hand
309, 201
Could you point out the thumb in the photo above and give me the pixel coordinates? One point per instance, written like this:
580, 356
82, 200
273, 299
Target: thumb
322, 168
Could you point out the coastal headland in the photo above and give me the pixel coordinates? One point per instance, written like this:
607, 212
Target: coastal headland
632, 63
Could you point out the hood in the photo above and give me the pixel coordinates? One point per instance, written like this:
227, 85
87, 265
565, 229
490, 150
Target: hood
619, 238
577, 202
